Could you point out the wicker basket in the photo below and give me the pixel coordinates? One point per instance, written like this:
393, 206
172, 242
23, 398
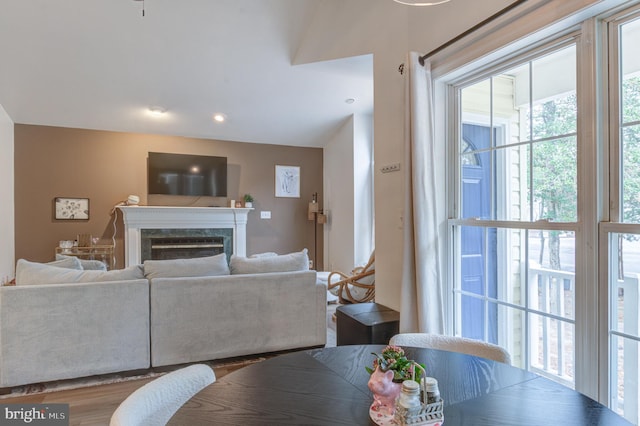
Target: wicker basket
426, 414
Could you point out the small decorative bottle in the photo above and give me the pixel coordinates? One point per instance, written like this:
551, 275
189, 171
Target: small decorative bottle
410, 395
431, 390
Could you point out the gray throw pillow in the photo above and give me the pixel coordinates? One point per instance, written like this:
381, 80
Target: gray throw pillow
86, 264
265, 254
210, 266
69, 263
298, 261
31, 273
26, 269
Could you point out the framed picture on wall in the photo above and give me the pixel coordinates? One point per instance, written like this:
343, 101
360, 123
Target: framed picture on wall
72, 208
288, 181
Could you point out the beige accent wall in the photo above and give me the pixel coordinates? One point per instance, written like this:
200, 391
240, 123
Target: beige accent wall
106, 167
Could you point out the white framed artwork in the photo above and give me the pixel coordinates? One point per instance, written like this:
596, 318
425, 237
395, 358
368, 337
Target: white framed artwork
288, 181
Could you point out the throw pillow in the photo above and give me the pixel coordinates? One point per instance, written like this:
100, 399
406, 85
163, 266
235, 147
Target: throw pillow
265, 254
31, 273
298, 261
86, 264
210, 266
27, 271
70, 263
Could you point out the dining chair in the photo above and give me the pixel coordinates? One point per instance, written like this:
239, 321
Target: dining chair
453, 344
357, 287
157, 401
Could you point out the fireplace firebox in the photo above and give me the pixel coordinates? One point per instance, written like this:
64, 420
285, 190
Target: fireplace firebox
159, 244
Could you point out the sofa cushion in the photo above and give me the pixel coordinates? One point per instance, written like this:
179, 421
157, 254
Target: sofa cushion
198, 267
32, 273
86, 264
298, 261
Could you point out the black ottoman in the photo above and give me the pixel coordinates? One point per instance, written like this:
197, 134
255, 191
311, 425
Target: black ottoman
365, 324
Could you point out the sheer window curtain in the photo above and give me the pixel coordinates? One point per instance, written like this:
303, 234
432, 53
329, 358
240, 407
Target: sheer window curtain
421, 308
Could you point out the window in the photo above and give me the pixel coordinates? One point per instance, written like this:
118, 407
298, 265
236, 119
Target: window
513, 235
544, 230
623, 233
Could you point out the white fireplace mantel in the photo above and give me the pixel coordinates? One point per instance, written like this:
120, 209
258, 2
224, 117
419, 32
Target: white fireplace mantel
137, 218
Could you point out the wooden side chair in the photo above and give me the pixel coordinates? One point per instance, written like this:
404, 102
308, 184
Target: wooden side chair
358, 287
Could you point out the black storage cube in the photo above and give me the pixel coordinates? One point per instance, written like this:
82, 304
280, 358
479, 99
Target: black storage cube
366, 323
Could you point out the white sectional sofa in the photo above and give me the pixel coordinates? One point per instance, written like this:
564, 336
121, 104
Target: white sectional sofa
61, 331
198, 319
81, 323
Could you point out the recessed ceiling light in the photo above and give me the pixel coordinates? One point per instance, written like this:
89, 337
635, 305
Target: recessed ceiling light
349, 100
157, 111
219, 117
420, 2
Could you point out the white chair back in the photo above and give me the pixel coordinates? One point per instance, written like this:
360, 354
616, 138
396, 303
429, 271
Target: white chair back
157, 401
453, 344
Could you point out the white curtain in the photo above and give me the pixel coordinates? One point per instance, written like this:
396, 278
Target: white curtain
421, 307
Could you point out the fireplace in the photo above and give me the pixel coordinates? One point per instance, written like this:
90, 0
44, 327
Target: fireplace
158, 244
158, 232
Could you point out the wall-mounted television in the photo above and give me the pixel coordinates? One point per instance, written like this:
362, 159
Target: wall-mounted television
184, 174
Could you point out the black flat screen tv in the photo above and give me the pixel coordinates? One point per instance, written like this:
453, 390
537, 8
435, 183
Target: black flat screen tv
183, 174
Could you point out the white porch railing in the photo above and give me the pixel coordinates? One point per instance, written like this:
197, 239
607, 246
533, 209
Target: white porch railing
625, 302
551, 295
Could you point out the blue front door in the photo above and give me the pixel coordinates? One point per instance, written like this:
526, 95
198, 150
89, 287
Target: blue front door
478, 245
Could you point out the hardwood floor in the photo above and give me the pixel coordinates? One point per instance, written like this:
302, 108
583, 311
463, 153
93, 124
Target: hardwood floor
94, 405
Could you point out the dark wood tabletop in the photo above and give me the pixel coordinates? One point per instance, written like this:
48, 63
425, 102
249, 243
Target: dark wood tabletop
329, 387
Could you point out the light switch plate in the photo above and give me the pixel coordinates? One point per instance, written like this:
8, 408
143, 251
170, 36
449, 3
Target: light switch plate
265, 215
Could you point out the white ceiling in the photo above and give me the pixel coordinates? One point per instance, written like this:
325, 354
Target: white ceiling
99, 64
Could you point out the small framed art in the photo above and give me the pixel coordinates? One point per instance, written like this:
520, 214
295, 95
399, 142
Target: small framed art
288, 181
72, 208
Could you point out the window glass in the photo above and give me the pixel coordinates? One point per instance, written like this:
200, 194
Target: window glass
518, 162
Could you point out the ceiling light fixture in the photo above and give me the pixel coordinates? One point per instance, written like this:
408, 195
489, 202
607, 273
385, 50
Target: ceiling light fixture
142, 6
157, 111
420, 2
219, 117
349, 100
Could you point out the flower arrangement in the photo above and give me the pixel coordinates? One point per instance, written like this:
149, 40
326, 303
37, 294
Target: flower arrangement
393, 358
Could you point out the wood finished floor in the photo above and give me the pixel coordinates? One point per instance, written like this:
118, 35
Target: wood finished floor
94, 405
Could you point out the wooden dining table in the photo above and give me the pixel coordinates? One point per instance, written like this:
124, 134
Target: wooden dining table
329, 387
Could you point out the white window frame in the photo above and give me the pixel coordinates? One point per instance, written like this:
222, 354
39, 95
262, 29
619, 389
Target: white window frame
586, 237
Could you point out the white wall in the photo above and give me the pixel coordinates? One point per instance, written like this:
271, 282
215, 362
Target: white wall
363, 211
348, 195
7, 222
338, 200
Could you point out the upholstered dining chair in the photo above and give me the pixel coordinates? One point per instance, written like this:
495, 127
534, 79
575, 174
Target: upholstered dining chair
157, 401
357, 287
452, 344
